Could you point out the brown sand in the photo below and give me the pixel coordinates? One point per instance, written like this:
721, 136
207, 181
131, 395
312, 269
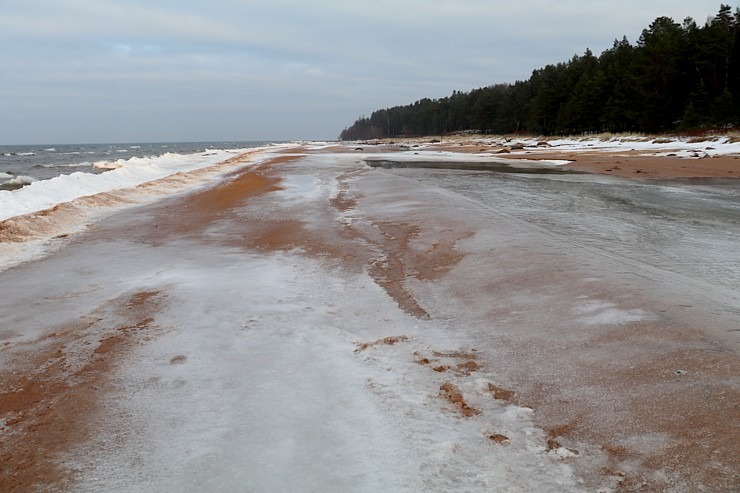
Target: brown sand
647, 167
52, 392
626, 164
632, 165
52, 387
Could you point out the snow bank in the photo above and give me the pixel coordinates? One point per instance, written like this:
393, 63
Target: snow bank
41, 195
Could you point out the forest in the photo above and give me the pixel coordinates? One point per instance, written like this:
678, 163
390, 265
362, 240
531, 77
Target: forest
676, 78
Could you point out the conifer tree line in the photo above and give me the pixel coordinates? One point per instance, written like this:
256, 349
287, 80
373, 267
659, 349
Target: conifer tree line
678, 77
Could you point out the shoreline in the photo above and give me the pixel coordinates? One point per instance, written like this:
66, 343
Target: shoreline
612, 349
625, 163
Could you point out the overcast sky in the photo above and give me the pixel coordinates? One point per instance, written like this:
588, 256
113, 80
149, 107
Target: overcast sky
84, 71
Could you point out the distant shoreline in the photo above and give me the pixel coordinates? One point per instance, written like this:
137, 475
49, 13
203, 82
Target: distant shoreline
633, 157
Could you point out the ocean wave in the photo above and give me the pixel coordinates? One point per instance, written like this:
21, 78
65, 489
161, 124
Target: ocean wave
17, 182
143, 161
83, 164
23, 154
50, 149
4, 175
108, 164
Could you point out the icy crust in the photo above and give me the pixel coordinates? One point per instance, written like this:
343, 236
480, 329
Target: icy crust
40, 195
84, 197
421, 156
306, 410
281, 372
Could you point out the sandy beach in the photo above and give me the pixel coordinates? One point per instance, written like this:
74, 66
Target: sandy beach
624, 161
306, 322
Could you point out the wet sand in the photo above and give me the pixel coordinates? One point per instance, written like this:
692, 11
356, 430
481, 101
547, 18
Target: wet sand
646, 167
669, 380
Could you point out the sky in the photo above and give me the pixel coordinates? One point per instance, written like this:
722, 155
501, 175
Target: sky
95, 71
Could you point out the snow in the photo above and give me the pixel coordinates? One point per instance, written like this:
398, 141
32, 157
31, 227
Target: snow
267, 391
123, 174
599, 312
252, 379
42, 195
267, 400
682, 147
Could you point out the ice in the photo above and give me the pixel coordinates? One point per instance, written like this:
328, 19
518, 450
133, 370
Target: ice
129, 173
299, 188
595, 312
251, 375
446, 156
269, 393
251, 378
44, 236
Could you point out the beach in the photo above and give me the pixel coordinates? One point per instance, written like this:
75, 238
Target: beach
539, 315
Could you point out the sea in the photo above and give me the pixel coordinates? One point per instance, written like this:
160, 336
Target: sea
33, 177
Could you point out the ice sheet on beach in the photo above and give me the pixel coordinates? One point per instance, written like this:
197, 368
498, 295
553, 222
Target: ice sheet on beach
250, 373
455, 159
266, 391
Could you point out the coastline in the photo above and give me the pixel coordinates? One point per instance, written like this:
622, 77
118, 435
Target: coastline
663, 162
613, 348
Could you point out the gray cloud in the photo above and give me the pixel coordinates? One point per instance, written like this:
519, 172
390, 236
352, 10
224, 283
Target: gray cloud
125, 70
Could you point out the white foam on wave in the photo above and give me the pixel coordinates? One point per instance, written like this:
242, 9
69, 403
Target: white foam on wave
83, 164
21, 180
4, 176
108, 164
